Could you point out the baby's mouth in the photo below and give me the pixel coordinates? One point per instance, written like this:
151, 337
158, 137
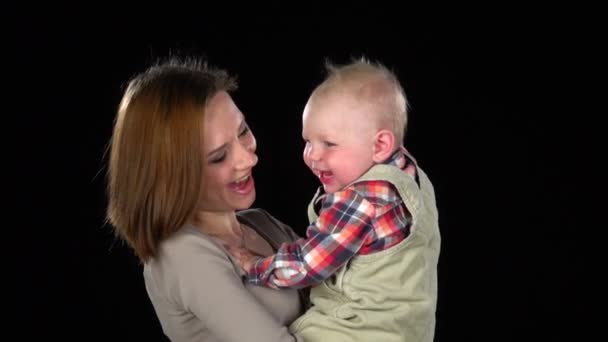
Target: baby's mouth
325, 176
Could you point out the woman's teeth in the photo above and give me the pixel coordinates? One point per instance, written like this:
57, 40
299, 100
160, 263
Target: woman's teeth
241, 180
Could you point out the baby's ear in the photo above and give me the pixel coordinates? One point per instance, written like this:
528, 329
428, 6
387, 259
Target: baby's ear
384, 145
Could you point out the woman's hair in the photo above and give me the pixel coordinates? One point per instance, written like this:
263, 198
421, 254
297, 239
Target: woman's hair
156, 161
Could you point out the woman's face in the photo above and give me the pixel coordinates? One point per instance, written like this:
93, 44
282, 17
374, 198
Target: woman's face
229, 156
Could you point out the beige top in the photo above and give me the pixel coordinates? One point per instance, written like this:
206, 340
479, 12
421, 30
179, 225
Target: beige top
198, 291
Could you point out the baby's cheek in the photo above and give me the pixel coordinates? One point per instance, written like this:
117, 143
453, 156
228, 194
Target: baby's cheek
306, 159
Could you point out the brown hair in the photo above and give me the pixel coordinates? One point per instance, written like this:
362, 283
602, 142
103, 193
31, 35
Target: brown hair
156, 164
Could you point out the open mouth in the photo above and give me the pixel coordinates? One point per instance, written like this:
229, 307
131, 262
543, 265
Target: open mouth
325, 176
243, 185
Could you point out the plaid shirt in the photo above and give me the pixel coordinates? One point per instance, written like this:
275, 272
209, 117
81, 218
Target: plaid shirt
363, 218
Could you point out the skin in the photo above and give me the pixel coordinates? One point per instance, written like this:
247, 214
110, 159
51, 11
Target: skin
342, 143
229, 154
339, 139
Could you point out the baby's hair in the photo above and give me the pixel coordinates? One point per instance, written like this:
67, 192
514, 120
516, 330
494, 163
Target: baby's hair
370, 83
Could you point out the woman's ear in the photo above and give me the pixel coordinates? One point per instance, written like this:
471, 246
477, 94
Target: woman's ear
384, 145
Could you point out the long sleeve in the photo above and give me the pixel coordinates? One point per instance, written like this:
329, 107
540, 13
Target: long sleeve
344, 225
203, 281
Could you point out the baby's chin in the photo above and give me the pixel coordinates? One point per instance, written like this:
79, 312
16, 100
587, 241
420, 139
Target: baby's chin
331, 188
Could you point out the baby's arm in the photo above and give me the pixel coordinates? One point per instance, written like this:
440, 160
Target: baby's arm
344, 226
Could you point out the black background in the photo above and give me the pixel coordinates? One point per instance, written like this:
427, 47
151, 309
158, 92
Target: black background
488, 124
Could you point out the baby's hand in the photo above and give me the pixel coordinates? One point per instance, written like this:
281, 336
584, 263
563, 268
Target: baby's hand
244, 257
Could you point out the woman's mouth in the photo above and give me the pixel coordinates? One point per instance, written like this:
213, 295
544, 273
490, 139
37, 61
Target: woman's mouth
243, 185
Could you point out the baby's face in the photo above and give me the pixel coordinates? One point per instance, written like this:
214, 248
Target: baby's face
339, 137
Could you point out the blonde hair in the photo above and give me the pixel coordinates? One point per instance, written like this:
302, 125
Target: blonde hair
156, 164
373, 84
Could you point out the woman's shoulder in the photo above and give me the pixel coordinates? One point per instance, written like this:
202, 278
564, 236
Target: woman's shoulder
185, 246
188, 250
255, 214
184, 264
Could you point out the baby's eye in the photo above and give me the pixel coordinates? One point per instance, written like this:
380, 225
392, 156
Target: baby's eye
329, 144
244, 131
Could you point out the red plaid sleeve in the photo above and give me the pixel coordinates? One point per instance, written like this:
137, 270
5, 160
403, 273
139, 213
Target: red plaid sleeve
345, 224
363, 219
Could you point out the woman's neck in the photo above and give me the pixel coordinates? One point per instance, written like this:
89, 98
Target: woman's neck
222, 225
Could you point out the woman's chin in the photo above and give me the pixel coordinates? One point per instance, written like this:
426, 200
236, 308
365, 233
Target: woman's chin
245, 201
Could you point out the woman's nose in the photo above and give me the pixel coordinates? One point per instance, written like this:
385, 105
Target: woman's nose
246, 157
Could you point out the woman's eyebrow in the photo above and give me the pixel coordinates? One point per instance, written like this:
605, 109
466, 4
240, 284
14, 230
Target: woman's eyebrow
226, 144
217, 149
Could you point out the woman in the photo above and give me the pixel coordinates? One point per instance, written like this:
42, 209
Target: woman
180, 169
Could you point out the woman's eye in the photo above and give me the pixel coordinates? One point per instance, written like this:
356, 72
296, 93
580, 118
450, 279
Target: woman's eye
218, 159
